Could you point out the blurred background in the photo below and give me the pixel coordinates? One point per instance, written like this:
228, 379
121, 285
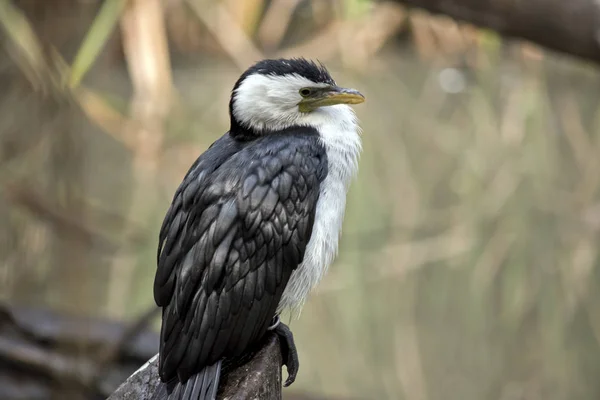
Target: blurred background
469, 266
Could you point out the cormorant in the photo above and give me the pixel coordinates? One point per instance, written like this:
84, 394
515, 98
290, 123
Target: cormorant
255, 223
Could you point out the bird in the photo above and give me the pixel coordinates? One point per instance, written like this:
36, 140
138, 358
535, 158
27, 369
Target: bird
255, 223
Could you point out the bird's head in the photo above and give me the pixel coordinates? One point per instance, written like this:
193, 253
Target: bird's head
275, 94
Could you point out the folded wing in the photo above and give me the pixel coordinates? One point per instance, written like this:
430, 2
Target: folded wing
237, 228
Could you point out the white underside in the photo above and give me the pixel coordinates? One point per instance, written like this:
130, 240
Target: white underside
271, 102
340, 134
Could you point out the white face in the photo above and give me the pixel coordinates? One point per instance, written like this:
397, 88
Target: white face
270, 102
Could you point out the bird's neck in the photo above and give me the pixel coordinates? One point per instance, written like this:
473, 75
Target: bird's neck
241, 132
337, 127
340, 133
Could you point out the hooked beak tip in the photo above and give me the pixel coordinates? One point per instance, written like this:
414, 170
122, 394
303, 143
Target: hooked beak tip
347, 96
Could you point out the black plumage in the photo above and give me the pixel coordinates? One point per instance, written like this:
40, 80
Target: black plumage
237, 227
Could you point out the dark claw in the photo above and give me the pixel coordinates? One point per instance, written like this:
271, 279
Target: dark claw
288, 349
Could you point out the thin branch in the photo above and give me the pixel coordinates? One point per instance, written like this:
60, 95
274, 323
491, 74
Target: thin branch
569, 26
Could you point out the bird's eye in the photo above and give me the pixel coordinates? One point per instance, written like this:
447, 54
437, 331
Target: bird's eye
305, 92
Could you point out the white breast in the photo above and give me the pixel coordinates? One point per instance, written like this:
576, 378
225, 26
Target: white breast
340, 133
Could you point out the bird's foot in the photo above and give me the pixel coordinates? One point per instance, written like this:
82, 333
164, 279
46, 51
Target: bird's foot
288, 349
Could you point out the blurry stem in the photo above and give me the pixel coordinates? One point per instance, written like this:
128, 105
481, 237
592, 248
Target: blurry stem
246, 13
107, 117
230, 35
275, 22
575, 133
358, 40
495, 253
60, 219
423, 37
95, 39
577, 271
70, 260
354, 8
362, 36
407, 350
30, 56
457, 242
147, 56
28, 49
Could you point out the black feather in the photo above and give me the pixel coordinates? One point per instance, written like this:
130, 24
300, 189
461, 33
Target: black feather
201, 386
236, 229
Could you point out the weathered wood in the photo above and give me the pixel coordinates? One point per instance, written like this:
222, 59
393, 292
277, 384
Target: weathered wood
141, 384
257, 378
568, 26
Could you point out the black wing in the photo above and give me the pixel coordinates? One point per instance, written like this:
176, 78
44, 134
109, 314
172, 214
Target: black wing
237, 228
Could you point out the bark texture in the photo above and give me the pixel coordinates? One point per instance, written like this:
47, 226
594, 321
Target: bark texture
257, 378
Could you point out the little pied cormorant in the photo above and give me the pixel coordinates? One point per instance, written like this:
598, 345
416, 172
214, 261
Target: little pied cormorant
255, 223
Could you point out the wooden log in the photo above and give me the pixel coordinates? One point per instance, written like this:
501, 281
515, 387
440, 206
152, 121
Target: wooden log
257, 378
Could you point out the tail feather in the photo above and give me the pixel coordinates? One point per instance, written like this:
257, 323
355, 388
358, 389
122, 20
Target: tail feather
202, 386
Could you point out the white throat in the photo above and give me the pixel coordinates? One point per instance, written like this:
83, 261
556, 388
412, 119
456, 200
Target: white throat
270, 102
340, 133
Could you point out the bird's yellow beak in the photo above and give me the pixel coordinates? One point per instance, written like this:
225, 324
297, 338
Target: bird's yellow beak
330, 96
